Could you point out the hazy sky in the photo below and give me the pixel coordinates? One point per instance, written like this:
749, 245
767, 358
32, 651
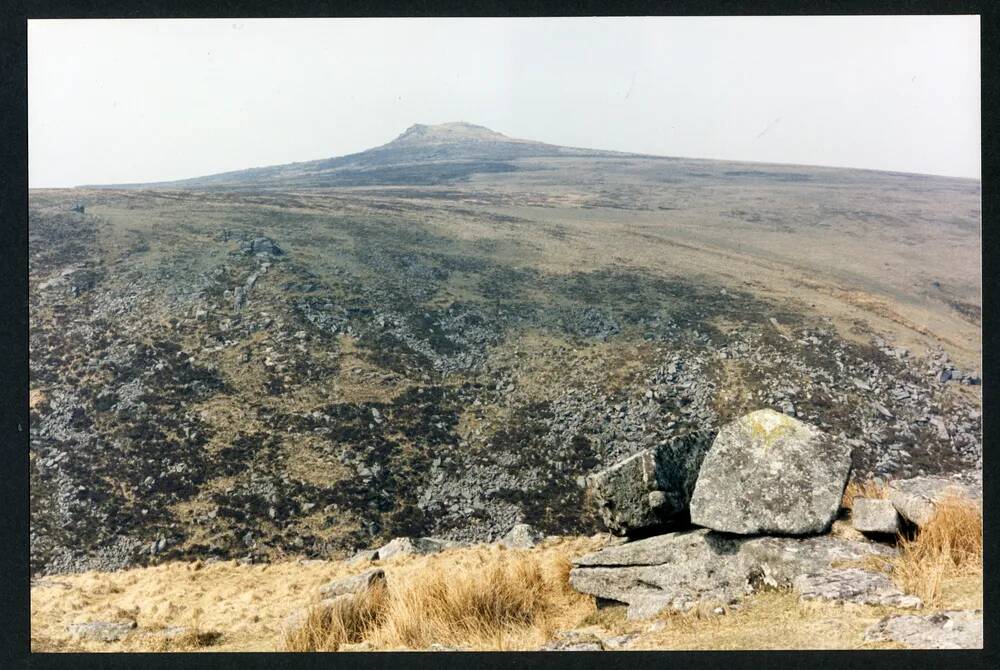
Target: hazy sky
144, 100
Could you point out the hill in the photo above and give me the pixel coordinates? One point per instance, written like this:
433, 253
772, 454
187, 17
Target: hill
421, 155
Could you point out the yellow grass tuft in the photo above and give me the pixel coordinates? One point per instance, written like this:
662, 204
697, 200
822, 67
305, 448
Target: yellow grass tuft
502, 600
949, 545
348, 620
866, 489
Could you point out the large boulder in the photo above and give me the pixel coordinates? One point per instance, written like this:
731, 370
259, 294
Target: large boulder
916, 499
769, 473
647, 489
677, 571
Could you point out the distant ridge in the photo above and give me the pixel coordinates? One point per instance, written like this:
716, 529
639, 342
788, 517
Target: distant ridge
422, 154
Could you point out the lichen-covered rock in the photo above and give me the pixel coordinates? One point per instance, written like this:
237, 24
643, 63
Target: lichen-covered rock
676, 571
853, 585
769, 473
521, 536
648, 488
954, 629
874, 515
915, 499
354, 583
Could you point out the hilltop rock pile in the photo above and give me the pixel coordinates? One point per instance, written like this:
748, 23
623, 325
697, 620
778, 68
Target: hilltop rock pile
765, 473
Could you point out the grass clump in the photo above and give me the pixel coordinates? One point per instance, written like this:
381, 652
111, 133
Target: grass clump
348, 619
505, 599
949, 545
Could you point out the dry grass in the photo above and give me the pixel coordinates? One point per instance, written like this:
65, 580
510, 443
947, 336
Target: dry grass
246, 606
949, 545
348, 620
866, 489
482, 597
504, 600
767, 620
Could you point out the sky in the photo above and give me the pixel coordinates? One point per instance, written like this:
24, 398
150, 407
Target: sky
112, 101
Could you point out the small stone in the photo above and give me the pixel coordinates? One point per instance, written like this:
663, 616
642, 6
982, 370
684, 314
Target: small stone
103, 631
521, 536
873, 515
354, 583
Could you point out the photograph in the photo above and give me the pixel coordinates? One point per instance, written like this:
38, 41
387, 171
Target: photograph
504, 334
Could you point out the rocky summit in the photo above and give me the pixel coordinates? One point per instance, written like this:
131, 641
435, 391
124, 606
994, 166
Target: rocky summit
770, 473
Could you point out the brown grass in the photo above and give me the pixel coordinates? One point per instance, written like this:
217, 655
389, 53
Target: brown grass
866, 489
507, 599
348, 620
949, 545
768, 620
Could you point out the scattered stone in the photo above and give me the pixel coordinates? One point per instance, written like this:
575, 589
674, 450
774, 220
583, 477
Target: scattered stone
619, 641
769, 473
915, 498
521, 536
953, 629
354, 583
874, 515
103, 631
647, 489
363, 557
853, 585
262, 245
575, 641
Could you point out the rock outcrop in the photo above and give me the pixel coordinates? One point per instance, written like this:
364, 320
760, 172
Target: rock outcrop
769, 473
676, 571
649, 488
916, 499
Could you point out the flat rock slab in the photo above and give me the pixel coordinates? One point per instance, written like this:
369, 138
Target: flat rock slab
353, 584
676, 571
769, 473
874, 515
916, 499
954, 629
649, 488
853, 585
102, 631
